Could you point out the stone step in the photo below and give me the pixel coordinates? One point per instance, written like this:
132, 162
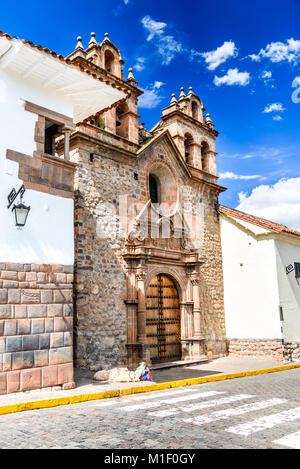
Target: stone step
164, 365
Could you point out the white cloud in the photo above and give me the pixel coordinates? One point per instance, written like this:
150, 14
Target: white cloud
158, 84
233, 77
230, 175
140, 64
167, 45
279, 202
218, 56
266, 74
296, 82
279, 52
155, 28
151, 97
277, 118
275, 107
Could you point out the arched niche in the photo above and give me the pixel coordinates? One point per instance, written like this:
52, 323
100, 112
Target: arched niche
122, 121
162, 186
188, 148
205, 156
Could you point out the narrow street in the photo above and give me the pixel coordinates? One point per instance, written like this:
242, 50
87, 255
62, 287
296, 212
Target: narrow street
256, 412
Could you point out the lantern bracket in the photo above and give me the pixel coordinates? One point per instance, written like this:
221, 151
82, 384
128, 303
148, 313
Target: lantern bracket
14, 194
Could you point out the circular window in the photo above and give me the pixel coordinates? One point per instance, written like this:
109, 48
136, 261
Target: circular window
163, 189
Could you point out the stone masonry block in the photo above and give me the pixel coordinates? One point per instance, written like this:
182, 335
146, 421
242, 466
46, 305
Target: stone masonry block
31, 277
10, 327
54, 310
44, 341
9, 275
47, 296
13, 343
37, 311
41, 358
68, 310
60, 355
70, 278
41, 277
60, 278
3, 295
31, 379
37, 326
2, 344
10, 284
14, 266
23, 326
14, 295
6, 361
63, 296
63, 324
30, 296
1, 327
68, 339
5, 311
35, 268
13, 381
21, 276
20, 311
49, 325
3, 383
49, 376
57, 339
30, 342
22, 360
65, 373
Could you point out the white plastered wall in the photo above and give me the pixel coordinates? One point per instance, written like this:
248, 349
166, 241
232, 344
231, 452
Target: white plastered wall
288, 252
250, 281
48, 234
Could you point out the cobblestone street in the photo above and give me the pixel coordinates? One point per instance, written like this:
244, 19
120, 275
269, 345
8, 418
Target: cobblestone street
253, 412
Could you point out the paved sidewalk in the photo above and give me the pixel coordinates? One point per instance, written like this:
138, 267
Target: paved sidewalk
85, 384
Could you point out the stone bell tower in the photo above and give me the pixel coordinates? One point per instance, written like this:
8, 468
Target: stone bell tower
193, 133
106, 58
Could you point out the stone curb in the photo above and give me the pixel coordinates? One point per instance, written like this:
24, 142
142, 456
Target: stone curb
75, 399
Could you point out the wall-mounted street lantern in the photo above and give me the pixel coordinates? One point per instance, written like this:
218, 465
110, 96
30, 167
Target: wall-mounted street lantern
20, 210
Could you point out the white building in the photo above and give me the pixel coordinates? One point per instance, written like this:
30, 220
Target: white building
42, 98
261, 262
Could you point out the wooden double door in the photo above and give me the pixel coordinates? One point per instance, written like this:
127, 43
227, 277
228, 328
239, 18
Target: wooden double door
163, 320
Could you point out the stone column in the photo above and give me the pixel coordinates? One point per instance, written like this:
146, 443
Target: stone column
67, 133
197, 310
141, 319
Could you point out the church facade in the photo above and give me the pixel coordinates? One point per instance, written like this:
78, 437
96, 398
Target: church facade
148, 265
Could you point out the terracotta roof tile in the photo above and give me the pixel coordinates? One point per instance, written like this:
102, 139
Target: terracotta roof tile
257, 220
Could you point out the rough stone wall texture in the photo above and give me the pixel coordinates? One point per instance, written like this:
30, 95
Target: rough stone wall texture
211, 272
36, 326
100, 283
265, 348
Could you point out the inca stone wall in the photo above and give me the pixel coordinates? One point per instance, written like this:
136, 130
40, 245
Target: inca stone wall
265, 348
36, 327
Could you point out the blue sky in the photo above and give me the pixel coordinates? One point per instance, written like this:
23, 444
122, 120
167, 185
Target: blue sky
241, 58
